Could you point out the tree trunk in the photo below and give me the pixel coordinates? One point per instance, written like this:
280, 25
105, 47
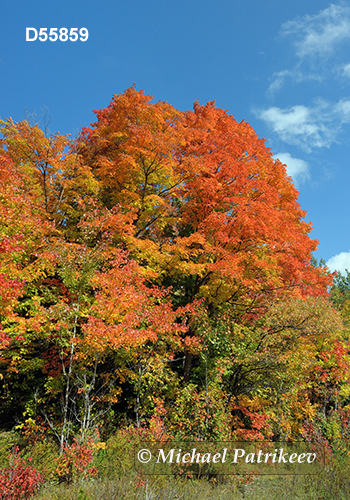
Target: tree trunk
187, 366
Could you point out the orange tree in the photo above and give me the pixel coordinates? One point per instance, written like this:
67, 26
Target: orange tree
213, 215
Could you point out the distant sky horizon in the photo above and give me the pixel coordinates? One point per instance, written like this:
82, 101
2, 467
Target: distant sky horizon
282, 67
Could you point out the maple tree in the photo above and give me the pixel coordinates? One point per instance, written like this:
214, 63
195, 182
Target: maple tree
213, 215
205, 195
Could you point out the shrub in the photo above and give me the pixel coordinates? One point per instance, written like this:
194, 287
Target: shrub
19, 480
76, 462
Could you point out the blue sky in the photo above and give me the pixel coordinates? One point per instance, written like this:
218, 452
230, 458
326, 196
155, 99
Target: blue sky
282, 66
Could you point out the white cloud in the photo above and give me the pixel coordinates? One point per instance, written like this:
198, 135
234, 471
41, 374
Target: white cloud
320, 34
317, 41
339, 262
278, 79
346, 70
296, 74
291, 122
342, 109
296, 168
308, 127
298, 125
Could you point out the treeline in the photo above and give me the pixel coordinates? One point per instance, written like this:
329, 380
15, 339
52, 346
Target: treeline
157, 272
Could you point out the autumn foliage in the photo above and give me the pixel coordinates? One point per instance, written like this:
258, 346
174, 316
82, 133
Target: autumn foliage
20, 480
160, 262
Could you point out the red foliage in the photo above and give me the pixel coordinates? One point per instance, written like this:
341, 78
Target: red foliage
256, 430
19, 480
76, 461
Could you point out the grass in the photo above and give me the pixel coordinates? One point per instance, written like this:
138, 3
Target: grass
333, 485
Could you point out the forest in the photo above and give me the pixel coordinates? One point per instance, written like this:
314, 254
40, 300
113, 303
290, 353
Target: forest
157, 282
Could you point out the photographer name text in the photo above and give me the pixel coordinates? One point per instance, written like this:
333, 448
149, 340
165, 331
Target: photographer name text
278, 457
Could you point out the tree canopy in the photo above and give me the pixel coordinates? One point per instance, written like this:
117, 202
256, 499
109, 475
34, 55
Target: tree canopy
160, 258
